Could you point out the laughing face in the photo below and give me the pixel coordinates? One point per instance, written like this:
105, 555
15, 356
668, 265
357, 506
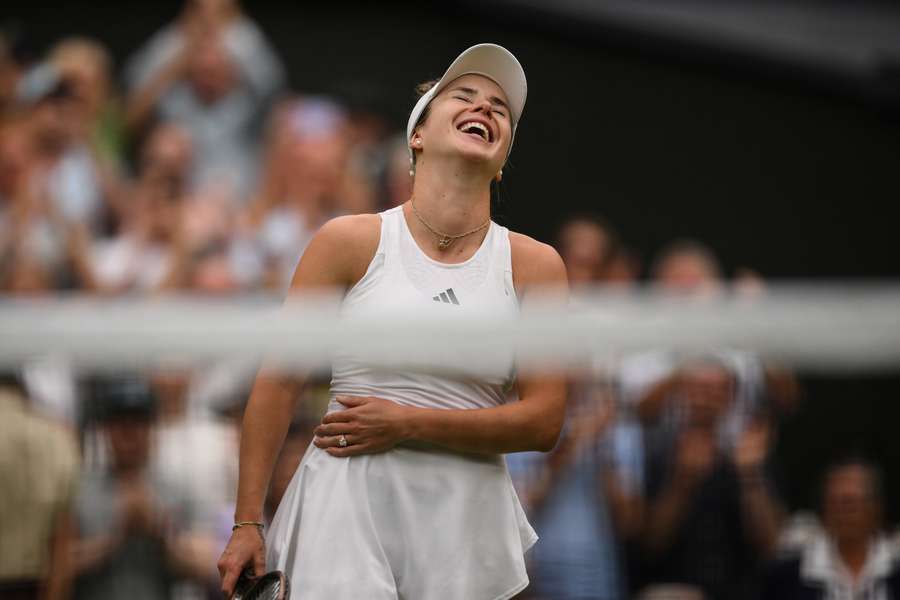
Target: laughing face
468, 118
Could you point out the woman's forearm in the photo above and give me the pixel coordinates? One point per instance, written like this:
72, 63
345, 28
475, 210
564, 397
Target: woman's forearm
514, 427
369, 424
266, 421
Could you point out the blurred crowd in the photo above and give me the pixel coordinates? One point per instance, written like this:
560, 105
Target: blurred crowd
191, 167
665, 483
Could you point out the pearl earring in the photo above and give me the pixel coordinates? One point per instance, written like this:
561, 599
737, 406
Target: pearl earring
499, 176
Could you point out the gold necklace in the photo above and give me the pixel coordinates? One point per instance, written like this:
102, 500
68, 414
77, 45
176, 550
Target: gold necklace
444, 240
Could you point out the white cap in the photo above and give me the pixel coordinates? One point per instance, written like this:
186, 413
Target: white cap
492, 61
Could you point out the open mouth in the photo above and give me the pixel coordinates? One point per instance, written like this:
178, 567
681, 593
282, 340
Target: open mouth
474, 128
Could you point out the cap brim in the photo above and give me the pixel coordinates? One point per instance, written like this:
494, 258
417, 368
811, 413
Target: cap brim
491, 61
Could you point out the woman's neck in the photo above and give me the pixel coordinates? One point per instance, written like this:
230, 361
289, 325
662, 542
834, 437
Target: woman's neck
452, 200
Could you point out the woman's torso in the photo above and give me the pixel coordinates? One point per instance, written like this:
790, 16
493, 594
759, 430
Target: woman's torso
402, 282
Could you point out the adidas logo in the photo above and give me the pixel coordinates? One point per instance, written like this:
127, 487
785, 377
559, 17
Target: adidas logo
447, 297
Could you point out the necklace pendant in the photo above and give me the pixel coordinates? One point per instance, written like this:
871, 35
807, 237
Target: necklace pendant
444, 242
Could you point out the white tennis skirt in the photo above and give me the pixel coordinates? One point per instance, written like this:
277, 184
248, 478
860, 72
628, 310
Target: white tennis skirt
412, 523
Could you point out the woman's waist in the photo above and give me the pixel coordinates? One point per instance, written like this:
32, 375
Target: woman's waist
439, 394
417, 464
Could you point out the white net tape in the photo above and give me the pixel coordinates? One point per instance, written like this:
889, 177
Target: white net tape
810, 327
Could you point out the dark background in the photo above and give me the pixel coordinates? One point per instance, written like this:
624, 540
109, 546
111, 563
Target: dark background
787, 171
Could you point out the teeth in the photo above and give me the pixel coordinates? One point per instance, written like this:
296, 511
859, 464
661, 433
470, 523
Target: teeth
476, 125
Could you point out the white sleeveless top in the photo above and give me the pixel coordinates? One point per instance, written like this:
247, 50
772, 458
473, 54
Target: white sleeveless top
415, 522
402, 279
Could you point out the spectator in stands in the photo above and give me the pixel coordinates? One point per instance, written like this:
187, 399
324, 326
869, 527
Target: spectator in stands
307, 165
31, 254
197, 454
688, 267
85, 64
587, 245
214, 73
33, 249
140, 255
64, 174
39, 473
849, 556
133, 538
712, 513
584, 496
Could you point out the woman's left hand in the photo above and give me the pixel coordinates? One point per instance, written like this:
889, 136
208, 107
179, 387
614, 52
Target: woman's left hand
368, 424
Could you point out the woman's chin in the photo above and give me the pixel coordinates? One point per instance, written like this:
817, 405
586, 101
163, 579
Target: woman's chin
484, 157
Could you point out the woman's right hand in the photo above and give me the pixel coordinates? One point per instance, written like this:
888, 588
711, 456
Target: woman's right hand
246, 548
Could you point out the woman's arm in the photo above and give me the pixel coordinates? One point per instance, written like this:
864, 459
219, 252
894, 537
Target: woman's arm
142, 102
336, 257
532, 423
375, 424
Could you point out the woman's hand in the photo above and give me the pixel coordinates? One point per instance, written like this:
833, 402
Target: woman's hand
368, 424
246, 548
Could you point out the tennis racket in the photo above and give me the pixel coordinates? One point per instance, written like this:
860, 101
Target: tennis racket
274, 585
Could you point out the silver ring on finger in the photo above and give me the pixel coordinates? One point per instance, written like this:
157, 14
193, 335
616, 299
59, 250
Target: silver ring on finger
342, 441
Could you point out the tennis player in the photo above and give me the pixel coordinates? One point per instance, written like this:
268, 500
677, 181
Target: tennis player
405, 493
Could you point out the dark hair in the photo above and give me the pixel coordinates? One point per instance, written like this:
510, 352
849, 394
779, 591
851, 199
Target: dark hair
125, 396
876, 477
422, 89
687, 247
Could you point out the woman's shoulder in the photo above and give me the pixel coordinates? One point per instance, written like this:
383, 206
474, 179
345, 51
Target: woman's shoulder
536, 265
534, 261
355, 229
340, 251
355, 236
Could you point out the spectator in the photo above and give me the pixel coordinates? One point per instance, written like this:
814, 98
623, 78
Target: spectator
584, 496
85, 64
587, 245
688, 267
140, 255
850, 556
307, 167
39, 471
132, 530
31, 255
712, 514
213, 73
584, 500
64, 174
197, 455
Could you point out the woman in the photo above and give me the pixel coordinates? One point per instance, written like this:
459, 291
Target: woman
404, 493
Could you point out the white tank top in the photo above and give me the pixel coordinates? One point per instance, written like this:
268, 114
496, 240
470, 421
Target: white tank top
402, 278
